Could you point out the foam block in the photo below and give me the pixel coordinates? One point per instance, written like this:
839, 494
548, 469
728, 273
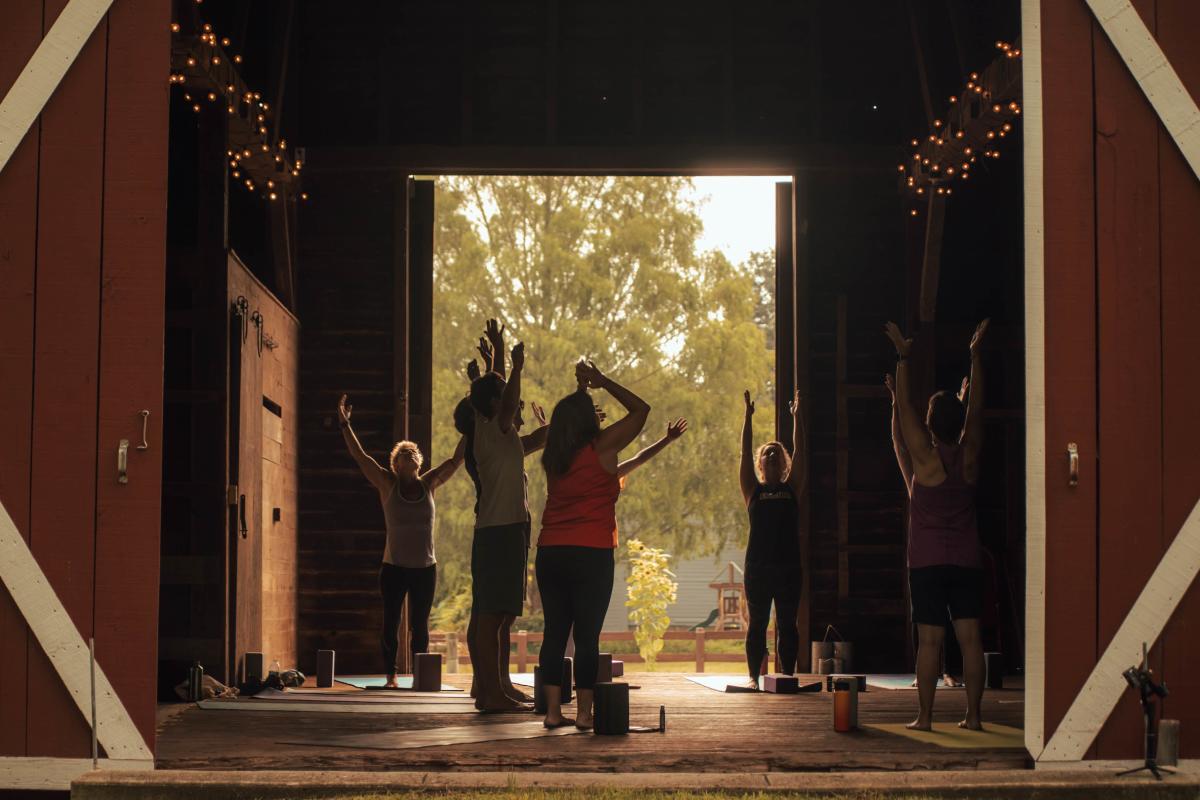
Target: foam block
612, 709
859, 681
618, 668
427, 672
325, 669
604, 670
254, 667
781, 684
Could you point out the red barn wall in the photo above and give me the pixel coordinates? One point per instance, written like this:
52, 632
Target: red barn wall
82, 249
1122, 292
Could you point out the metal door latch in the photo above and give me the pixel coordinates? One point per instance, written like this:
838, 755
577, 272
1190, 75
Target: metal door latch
123, 461
145, 424
1073, 463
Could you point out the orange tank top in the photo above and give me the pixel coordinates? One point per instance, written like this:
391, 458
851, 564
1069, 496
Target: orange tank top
581, 506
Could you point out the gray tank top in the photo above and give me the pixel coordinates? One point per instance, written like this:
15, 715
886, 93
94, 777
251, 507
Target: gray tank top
409, 529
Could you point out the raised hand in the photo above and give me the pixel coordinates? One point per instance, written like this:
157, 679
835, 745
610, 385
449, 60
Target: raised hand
494, 332
891, 385
962, 390
518, 356
588, 374
676, 429
601, 414
794, 406
749, 403
486, 351
977, 337
473, 370
344, 409
903, 345
539, 413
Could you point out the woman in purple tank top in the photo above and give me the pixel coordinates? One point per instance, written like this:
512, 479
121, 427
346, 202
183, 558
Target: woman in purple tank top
944, 554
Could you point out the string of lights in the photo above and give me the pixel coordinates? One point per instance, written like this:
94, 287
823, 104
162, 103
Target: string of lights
973, 127
204, 71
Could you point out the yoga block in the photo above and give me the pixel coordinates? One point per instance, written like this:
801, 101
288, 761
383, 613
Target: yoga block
781, 684
612, 709
845, 652
427, 672
994, 665
618, 668
604, 669
254, 667
859, 681
325, 671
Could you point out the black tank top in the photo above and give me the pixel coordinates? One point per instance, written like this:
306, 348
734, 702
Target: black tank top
774, 531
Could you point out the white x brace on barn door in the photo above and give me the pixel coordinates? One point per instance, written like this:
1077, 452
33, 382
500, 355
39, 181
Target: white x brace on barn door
20, 573
1178, 567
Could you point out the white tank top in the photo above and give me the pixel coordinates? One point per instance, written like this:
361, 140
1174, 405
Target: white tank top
409, 529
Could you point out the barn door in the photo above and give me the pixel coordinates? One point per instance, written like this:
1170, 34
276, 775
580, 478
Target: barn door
244, 526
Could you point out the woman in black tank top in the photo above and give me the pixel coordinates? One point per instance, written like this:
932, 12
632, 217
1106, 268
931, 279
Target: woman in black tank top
772, 484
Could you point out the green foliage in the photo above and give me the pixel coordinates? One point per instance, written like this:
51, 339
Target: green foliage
605, 267
650, 591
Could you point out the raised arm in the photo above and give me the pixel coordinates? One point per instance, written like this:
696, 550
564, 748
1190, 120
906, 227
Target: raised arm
445, 471
494, 339
532, 442
510, 401
927, 467
903, 459
674, 431
799, 474
379, 477
622, 432
746, 476
972, 437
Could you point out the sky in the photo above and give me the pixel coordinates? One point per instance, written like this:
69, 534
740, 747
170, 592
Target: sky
738, 213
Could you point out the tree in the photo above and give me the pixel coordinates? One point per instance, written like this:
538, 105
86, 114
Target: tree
604, 267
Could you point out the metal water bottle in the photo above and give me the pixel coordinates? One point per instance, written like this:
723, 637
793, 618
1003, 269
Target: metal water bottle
195, 681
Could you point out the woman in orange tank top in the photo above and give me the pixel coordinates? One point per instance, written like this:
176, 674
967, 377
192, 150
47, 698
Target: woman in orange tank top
579, 533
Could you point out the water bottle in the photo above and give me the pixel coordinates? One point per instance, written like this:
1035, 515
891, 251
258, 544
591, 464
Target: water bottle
195, 681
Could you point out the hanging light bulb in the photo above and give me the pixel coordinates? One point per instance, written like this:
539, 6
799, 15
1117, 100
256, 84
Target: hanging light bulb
174, 27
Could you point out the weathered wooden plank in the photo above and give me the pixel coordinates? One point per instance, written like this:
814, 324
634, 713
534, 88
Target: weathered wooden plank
62, 535
19, 37
1130, 356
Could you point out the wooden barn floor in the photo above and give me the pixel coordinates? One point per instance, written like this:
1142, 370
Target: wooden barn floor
706, 731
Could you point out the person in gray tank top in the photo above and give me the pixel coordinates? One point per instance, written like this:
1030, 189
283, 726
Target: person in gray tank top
409, 565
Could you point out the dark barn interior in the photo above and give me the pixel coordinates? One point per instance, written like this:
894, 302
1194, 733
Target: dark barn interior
366, 95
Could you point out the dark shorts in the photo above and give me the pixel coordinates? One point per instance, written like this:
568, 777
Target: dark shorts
780, 583
936, 590
499, 558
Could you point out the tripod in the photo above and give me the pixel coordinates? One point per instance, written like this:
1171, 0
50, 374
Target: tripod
1142, 679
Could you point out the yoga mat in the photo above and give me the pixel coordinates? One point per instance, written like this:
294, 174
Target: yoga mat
439, 737
722, 683
377, 682
522, 679
948, 734
362, 696
252, 704
901, 682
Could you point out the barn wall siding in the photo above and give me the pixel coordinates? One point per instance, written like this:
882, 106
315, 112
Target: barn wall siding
1121, 284
82, 241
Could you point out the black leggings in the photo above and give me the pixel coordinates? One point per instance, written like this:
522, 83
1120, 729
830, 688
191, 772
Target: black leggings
394, 583
778, 584
576, 584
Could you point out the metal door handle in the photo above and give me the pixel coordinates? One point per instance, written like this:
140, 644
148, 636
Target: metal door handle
242, 515
145, 424
123, 461
1073, 463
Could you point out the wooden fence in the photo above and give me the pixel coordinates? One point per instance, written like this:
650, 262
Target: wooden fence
453, 646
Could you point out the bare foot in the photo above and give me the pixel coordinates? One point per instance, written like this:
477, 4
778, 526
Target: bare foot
390, 683
557, 722
752, 684
516, 695
948, 680
584, 722
500, 705
919, 724
971, 725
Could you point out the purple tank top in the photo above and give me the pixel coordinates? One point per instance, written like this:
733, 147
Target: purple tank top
941, 526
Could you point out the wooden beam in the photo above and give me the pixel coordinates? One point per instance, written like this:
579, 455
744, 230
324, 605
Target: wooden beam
800, 352
420, 316
1154, 74
60, 640
56, 774
551, 70
1035, 379
931, 261
603, 160
31, 91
